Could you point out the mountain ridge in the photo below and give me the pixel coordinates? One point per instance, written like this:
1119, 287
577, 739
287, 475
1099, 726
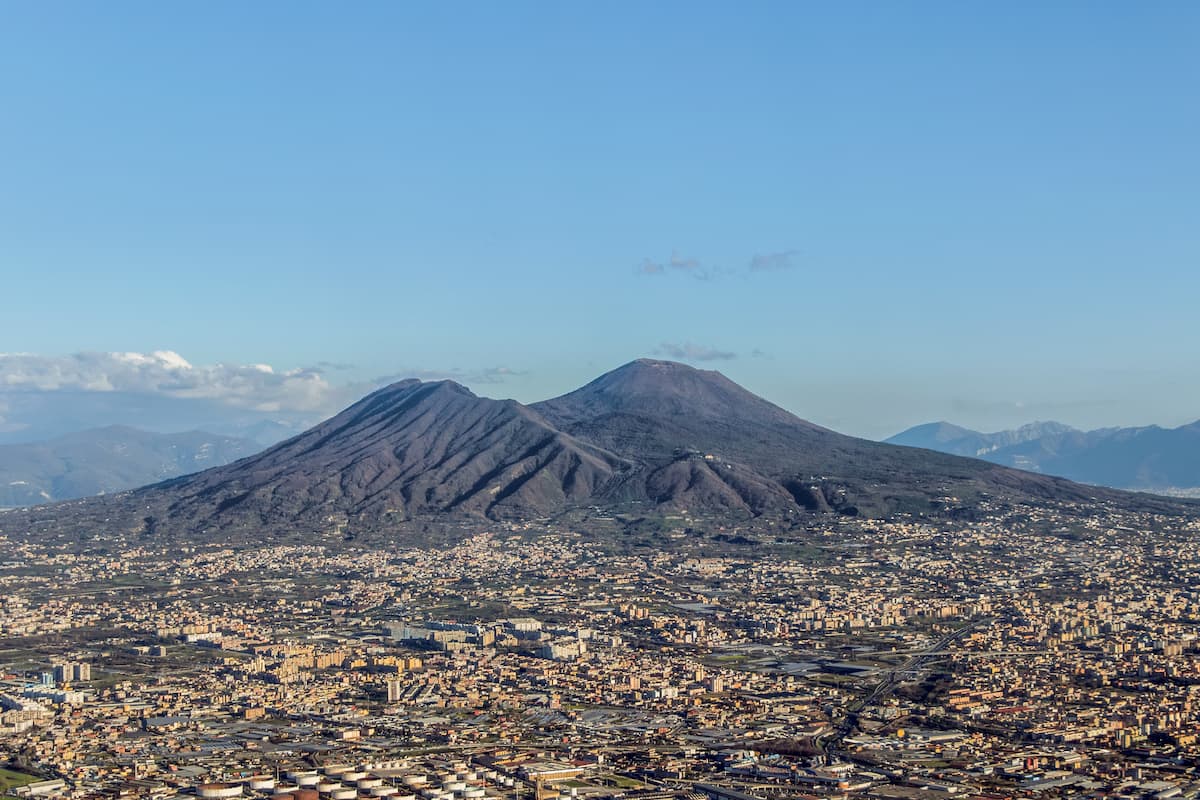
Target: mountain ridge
1144, 458
647, 435
109, 459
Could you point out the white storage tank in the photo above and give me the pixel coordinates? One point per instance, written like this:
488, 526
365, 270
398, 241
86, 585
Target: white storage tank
308, 781
368, 783
261, 783
353, 775
414, 780
345, 793
326, 786
211, 791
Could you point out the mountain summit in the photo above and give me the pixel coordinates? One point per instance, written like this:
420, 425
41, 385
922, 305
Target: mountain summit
660, 389
650, 434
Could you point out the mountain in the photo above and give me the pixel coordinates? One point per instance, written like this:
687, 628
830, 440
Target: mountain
648, 435
698, 429
266, 432
106, 460
947, 438
38, 416
409, 449
1148, 458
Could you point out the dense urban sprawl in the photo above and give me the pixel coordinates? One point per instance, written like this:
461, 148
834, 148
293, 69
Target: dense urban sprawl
1039, 653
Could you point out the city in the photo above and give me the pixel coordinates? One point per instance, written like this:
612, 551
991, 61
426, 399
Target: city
1048, 653
541, 400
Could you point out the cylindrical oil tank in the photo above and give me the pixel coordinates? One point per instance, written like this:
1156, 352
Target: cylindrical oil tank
211, 791
326, 786
353, 775
261, 783
345, 793
414, 780
369, 782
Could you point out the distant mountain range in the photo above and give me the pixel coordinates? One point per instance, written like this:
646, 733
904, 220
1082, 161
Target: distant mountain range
105, 460
648, 437
1149, 459
38, 416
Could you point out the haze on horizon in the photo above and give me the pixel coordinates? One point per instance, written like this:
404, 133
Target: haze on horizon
873, 216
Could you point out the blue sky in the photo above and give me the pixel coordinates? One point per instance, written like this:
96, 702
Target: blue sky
874, 214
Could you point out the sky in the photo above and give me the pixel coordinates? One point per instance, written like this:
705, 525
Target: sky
873, 214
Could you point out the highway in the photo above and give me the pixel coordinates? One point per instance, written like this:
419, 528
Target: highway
891, 677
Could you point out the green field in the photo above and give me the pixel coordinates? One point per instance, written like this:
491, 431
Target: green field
10, 780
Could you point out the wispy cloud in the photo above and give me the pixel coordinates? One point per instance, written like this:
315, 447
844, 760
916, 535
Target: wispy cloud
695, 268
773, 262
259, 387
676, 263
687, 351
334, 366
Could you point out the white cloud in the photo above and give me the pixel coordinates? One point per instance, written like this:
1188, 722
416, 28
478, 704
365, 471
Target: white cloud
165, 372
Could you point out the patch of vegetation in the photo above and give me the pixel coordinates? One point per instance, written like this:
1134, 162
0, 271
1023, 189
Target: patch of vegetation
10, 780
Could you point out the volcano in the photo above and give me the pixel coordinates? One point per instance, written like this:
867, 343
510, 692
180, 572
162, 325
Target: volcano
650, 434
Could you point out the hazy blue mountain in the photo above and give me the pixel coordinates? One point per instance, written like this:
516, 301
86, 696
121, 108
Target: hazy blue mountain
264, 433
1149, 458
37, 416
104, 460
949, 438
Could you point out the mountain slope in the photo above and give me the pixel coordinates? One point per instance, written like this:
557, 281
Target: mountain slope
647, 435
409, 449
660, 414
107, 460
1149, 458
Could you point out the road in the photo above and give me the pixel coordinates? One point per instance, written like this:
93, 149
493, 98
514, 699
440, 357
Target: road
885, 686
